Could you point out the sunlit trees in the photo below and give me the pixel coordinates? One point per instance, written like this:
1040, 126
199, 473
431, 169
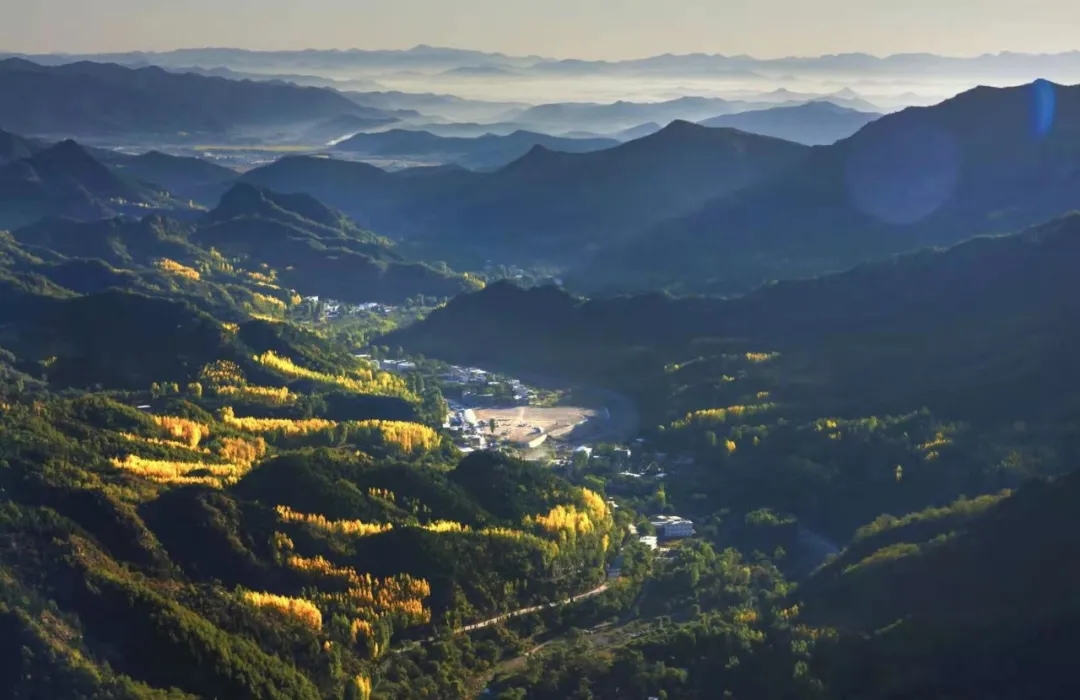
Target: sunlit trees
409, 438
303, 610
175, 268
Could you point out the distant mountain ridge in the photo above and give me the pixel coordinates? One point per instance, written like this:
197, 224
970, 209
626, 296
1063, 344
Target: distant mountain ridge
95, 99
1004, 64
489, 151
814, 123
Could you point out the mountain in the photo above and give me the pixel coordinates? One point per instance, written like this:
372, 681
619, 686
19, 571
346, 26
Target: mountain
554, 204
484, 152
184, 176
316, 249
608, 118
991, 160
538, 203
65, 180
813, 123
332, 131
14, 147
450, 107
948, 590
99, 99
638, 132
305, 244
998, 311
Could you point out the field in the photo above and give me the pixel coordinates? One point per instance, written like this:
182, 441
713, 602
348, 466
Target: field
521, 423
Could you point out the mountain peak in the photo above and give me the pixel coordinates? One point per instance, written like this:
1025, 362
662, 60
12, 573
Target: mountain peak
245, 199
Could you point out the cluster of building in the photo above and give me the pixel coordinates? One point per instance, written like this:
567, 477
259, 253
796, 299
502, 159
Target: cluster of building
672, 526
333, 308
469, 432
479, 387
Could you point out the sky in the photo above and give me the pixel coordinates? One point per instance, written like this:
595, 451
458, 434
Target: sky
588, 29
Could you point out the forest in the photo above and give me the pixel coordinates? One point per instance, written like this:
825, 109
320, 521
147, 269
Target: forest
211, 486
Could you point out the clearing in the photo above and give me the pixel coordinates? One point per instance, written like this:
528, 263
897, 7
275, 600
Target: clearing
523, 423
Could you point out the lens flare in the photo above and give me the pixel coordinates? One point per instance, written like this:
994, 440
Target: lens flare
903, 176
1043, 107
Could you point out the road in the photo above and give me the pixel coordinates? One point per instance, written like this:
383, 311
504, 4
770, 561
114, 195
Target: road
536, 608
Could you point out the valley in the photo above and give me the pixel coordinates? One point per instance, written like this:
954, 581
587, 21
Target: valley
436, 373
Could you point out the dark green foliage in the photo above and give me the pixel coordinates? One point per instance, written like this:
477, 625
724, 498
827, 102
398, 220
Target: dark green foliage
211, 536
507, 488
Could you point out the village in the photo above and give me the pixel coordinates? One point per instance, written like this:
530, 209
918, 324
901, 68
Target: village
489, 411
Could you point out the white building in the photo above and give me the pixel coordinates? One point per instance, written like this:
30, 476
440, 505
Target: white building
671, 526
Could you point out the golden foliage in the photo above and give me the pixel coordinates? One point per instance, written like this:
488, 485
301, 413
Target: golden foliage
746, 616
354, 528
446, 526
759, 357
730, 446
788, 613
268, 395
408, 437
363, 687
267, 280
241, 451
180, 473
230, 327
187, 431
711, 416
222, 373
323, 567
360, 627
385, 494
595, 505
563, 521
288, 426
303, 610
295, 299
160, 442
175, 268
266, 300
363, 381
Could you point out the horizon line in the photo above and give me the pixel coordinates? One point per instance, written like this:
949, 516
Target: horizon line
543, 58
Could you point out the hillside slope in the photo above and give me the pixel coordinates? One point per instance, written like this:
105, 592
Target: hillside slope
813, 123
65, 180
991, 160
484, 152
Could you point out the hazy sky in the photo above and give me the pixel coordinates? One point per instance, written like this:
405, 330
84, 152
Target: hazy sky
561, 28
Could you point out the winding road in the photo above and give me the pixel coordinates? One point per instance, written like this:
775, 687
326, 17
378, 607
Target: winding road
536, 608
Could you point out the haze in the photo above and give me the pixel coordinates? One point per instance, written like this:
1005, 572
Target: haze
559, 28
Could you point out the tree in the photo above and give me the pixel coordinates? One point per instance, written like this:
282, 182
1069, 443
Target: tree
711, 439
195, 389
492, 425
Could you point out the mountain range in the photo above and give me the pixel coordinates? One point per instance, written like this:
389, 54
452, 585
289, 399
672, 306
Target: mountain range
1009, 65
547, 205
991, 160
480, 153
101, 100
312, 247
65, 180
812, 124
